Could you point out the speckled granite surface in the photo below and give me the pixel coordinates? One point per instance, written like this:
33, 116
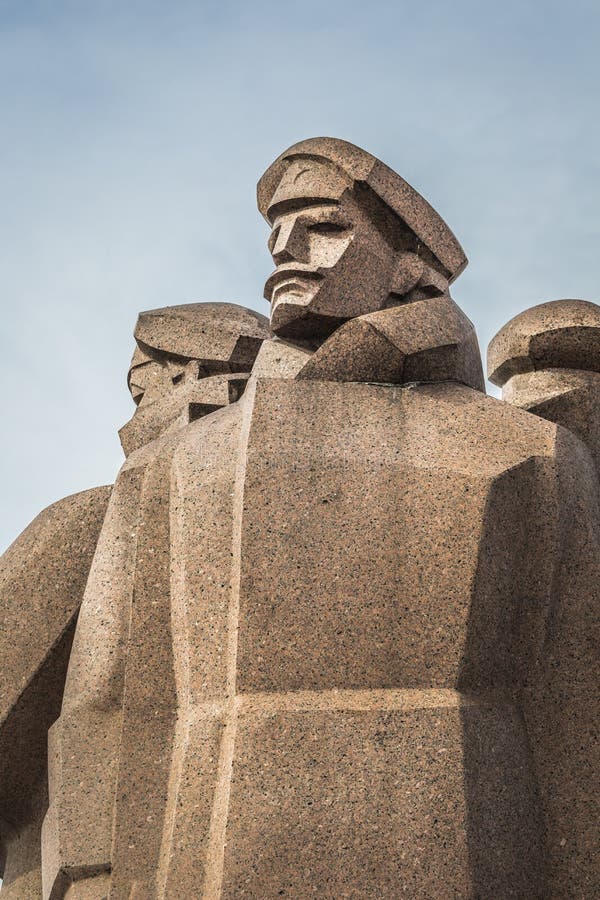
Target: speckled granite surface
339, 637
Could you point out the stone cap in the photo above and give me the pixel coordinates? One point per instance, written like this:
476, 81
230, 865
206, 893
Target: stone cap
359, 167
209, 332
560, 334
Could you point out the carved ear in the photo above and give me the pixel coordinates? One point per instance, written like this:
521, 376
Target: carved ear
183, 371
423, 285
433, 283
408, 272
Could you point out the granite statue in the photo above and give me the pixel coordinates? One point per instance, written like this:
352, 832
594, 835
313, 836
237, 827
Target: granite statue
339, 636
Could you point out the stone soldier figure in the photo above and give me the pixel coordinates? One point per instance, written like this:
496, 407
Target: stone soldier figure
188, 361
351, 653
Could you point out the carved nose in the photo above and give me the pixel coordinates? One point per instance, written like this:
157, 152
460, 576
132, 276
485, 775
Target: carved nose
292, 243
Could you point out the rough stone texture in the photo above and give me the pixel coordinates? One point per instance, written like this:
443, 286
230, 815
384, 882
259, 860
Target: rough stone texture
339, 637
362, 784
547, 361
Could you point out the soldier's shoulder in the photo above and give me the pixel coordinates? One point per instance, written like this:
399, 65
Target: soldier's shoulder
484, 426
87, 506
77, 517
83, 503
42, 579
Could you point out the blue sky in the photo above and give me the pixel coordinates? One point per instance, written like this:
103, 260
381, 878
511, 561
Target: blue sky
134, 134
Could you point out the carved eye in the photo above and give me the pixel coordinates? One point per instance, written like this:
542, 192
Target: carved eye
177, 378
273, 239
137, 393
327, 227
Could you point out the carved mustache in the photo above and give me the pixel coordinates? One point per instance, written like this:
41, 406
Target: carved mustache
287, 271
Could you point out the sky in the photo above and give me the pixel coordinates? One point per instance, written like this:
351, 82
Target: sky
133, 135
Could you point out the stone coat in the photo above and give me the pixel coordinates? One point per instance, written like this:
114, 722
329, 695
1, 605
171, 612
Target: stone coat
357, 626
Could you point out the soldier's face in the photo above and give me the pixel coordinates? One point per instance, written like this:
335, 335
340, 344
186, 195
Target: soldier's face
332, 264
158, 379
161, 391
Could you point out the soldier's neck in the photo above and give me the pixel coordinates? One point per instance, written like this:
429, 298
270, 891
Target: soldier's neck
281, 359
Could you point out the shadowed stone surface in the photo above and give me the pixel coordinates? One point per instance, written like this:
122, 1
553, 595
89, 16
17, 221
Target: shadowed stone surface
427, 340
340, 634
42, 579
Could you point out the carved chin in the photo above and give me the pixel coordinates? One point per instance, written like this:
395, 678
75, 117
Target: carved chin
298, 321
288, 310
